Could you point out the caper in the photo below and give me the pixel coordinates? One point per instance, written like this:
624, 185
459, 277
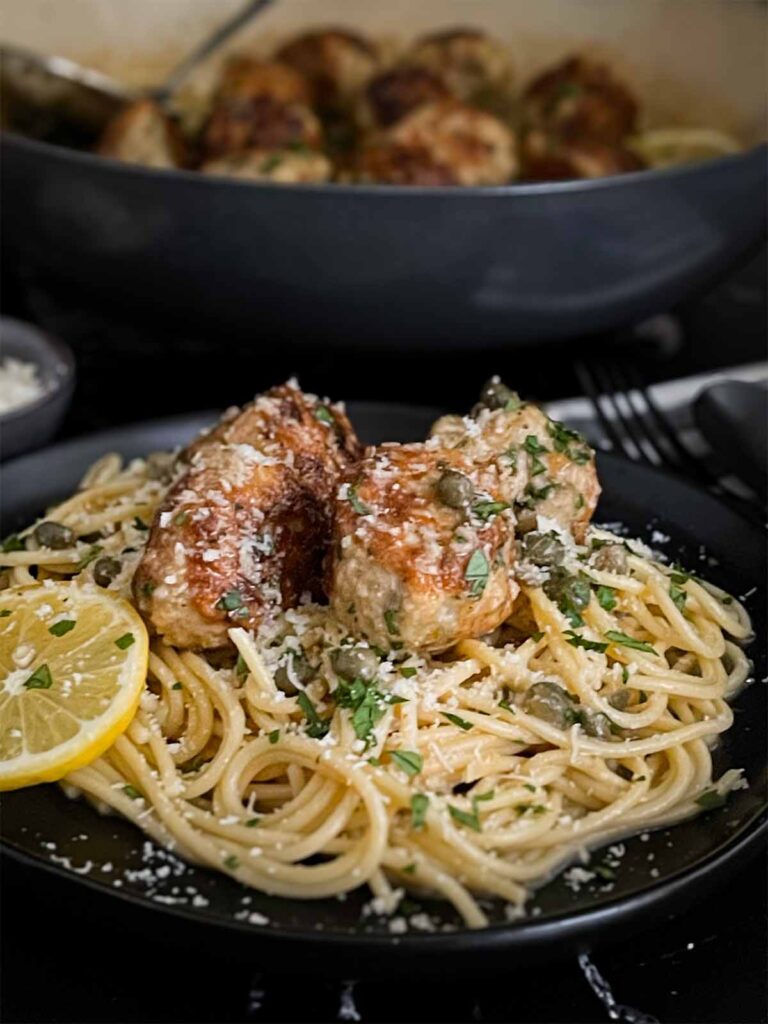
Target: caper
550, 702
527, 520
620, 700
105, 570
454, 489
542, 548
571, 593
611, 558
596, 724
160, 466
355, 663
54, 535
295, 667
496, 395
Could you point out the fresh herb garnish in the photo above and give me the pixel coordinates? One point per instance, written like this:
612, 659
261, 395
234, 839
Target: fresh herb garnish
604, 872
390, 618
408, 671
323, 414
357, 505
41, 679
139, 524
90, 555
606, 598
409, 869
569, 442
180, 519
529, 786
419, 805
678, 575
486, 509
317, 727
177, 686
125, 641
536, 466
710, 799
471, 820
477, 571
274, 736
62, 627
231, 862
623, 640
507, 706
241, 668
366, 703
231, 601
538, 635
577, 640
678, 596
624, 673
4, 613
461, 722
13, 542
409, 760
533, 446
252, 822
133, 793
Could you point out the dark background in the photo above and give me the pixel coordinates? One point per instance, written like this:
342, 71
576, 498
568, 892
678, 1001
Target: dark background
71, 956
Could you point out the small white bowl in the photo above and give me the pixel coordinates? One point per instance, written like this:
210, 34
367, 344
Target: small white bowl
31, 425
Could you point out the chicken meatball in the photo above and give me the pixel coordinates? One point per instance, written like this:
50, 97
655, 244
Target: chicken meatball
244, 529
544, 157
143, 134
476, 68
545, 469
388, 97
580, 99
259, 122
282, 166
477, 147
386, 163
337, 64
245, 79
422, 549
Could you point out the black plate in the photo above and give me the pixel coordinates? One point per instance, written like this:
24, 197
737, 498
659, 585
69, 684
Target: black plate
664, 871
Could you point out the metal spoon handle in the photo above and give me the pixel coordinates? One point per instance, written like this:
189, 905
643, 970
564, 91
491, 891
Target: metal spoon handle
207, 47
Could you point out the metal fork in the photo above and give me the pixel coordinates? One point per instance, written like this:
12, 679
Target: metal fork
637, 428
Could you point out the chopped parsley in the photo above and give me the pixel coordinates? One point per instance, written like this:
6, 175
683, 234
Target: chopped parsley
507, 706
410, 761
710, 799
529, 786
89, 556
419, 805
177, 686
133, 793
274, 736
538, 635
366, 703
485, 510
139, 524
231, 862
13, 542
181, 519
477, 571
569, 442
231, 601
317, 727
4, 613
354, 501
533, 446
461, 722
536, 466
511, 456
606, 598
323, 414
678, 596
41, 679
471, 820
62, 627
409, 869
252, 822
678, 575
604, 872
125, 641
577, 640
241, 668
390, 618
623, 640
408, 671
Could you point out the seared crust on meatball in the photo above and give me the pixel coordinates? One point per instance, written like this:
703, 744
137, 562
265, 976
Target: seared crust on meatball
337, 63
580, 99
388, 97
143, 134
475, 67
282, 166
546, 158
387, 163
415, 562
544, 468
245, 528
244, 78
478, 148
259, 122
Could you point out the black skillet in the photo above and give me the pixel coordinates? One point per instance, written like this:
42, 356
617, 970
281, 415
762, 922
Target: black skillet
657, 876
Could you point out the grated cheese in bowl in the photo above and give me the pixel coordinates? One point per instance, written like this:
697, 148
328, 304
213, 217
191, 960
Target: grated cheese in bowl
19, 384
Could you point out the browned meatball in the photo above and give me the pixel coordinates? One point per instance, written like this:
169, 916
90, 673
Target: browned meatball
143, 134
544, 468
580, 99
245, 79
245, 528
386, 163
422, 549
280, 166
259, 123
475, 67
337, 63
546, 158
391, 95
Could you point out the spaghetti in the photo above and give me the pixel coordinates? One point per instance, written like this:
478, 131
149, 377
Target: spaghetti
474, 773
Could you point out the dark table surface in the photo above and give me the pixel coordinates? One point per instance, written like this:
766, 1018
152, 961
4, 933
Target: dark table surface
70, 957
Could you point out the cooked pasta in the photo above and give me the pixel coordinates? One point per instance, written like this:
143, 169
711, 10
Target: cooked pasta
477, 772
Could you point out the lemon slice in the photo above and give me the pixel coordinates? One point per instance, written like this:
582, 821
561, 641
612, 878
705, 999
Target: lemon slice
666, 147
73, 662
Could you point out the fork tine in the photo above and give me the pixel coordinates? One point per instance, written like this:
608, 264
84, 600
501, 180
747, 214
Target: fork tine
586, 379
631, 418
